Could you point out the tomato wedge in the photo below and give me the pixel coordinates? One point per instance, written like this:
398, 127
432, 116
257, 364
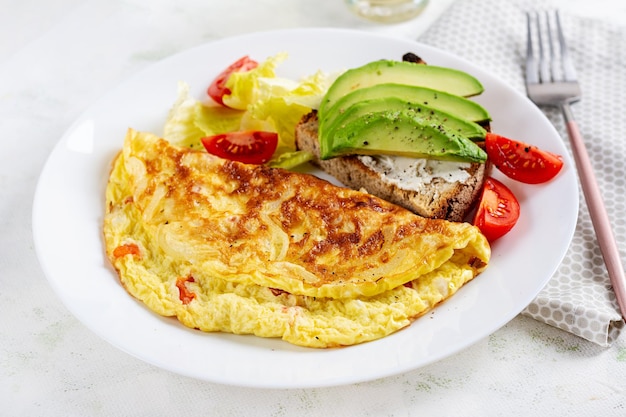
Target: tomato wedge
521, 161
250, 147
498, 210
217, 90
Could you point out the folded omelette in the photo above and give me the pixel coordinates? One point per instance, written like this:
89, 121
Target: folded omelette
248, 249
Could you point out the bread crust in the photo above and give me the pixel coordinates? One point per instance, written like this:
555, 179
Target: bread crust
438, 199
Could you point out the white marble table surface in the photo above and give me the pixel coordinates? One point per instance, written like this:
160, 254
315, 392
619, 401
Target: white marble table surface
58, 57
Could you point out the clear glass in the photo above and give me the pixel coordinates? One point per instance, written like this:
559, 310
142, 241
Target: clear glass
387, 11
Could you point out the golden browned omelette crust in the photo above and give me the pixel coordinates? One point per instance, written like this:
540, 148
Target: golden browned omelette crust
242, 248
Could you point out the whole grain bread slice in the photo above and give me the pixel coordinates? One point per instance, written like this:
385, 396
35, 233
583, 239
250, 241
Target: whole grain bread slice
439, 198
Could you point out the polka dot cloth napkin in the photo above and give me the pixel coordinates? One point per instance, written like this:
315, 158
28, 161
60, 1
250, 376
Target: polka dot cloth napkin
579, 297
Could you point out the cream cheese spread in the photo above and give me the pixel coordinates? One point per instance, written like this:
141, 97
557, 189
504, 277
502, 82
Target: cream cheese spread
413, 173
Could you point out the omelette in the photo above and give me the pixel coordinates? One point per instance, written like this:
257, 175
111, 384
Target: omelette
247, 249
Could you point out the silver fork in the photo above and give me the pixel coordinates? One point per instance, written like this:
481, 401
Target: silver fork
551, 81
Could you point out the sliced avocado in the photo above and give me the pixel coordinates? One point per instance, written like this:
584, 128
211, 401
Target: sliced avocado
457, 106
405, 132
357, 111
386, 71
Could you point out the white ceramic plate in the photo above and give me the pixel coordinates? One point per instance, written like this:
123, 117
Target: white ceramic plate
69, 207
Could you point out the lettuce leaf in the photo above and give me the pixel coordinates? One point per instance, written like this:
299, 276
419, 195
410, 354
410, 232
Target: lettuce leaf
189, 120
283, 102
244, 86
289, 160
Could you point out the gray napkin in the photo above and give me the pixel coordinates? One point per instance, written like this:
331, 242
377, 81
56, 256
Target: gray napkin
491, 33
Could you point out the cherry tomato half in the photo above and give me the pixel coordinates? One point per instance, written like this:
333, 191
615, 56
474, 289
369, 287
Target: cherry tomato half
521, 161
250, 147
217, 90
498, 210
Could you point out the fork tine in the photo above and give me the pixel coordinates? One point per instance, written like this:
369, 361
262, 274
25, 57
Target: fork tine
553, 67
544, 62
569, 72
531, 62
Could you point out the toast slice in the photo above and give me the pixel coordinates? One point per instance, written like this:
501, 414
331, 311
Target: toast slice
432, 189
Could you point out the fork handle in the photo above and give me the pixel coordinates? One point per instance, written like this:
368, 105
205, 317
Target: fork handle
597, 211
